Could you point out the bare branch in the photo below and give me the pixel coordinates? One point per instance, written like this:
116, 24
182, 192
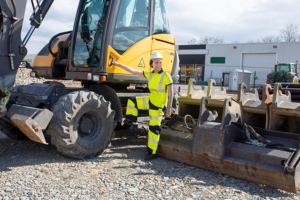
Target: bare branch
193, 41
290, 33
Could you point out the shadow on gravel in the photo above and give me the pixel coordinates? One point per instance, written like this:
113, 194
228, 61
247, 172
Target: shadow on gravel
26, 152
17, 153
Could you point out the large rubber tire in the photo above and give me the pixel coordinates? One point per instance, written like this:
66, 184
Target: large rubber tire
292, 80
110, 95
82, 124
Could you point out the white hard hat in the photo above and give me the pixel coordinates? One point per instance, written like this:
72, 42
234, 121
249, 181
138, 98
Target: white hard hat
156, 55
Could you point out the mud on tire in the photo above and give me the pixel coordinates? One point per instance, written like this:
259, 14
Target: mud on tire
82, 124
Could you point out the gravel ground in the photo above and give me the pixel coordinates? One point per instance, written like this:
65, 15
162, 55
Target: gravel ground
34, 171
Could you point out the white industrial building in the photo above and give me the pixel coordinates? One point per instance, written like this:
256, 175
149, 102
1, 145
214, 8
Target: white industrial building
216, 60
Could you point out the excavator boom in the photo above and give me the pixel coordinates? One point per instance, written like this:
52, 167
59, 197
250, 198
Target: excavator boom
12, 48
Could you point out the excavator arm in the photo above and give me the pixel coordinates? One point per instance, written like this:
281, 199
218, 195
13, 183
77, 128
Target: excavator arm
12, 48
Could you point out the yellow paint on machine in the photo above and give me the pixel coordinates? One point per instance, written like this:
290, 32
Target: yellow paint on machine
138, 55
43, 60
142, 63
165, 44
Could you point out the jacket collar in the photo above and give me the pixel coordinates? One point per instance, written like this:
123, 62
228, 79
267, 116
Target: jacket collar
161, 71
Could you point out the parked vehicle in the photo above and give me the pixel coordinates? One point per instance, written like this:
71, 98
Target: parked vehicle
283, 73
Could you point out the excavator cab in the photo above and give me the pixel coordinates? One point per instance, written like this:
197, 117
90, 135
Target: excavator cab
124, 30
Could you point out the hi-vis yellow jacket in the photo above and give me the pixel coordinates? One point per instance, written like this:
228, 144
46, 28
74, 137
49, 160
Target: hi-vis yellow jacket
157, 84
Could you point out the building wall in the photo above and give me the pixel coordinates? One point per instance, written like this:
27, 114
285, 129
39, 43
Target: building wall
235, 56
192, 61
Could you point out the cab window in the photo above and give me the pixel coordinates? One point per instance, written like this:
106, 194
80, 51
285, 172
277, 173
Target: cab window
161, 23
89, 33
132, 24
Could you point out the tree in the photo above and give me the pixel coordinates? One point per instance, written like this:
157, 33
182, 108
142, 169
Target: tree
211, 40
193, 41
290, 33
269, 39
207, 40
235, 42
250, 41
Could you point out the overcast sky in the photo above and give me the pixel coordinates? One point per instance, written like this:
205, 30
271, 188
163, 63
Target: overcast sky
232, 20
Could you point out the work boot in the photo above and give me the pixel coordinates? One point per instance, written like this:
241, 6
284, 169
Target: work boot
150, 157
128, 123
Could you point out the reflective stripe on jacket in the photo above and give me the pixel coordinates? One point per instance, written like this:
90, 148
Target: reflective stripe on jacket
157, 84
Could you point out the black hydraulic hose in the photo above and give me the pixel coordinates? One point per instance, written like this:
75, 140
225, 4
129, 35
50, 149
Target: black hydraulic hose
40, 9
11, 34
38, 4
1, 26
51, 40
248, 129
1, 20
33, 7
12, 26
14, 7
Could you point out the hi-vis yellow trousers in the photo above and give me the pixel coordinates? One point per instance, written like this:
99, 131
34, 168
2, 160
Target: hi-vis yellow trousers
156, 114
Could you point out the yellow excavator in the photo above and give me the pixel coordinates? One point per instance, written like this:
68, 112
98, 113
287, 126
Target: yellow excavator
252, 139
80, 121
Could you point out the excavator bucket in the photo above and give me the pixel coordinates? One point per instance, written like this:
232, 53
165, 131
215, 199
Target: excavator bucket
255, 112
227, 144
189, 103
284, 114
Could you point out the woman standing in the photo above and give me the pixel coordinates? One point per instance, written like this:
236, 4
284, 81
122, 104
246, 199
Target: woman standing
160, 98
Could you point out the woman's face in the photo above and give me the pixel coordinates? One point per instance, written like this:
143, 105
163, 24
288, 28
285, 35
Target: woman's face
157, 64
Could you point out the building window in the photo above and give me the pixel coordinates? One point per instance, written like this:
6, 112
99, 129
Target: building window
217, 60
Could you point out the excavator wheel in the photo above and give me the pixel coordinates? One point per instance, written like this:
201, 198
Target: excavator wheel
110, 95
82, 124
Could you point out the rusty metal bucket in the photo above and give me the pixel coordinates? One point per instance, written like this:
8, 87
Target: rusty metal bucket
284, 114
222, 144
189, 103
255, 112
